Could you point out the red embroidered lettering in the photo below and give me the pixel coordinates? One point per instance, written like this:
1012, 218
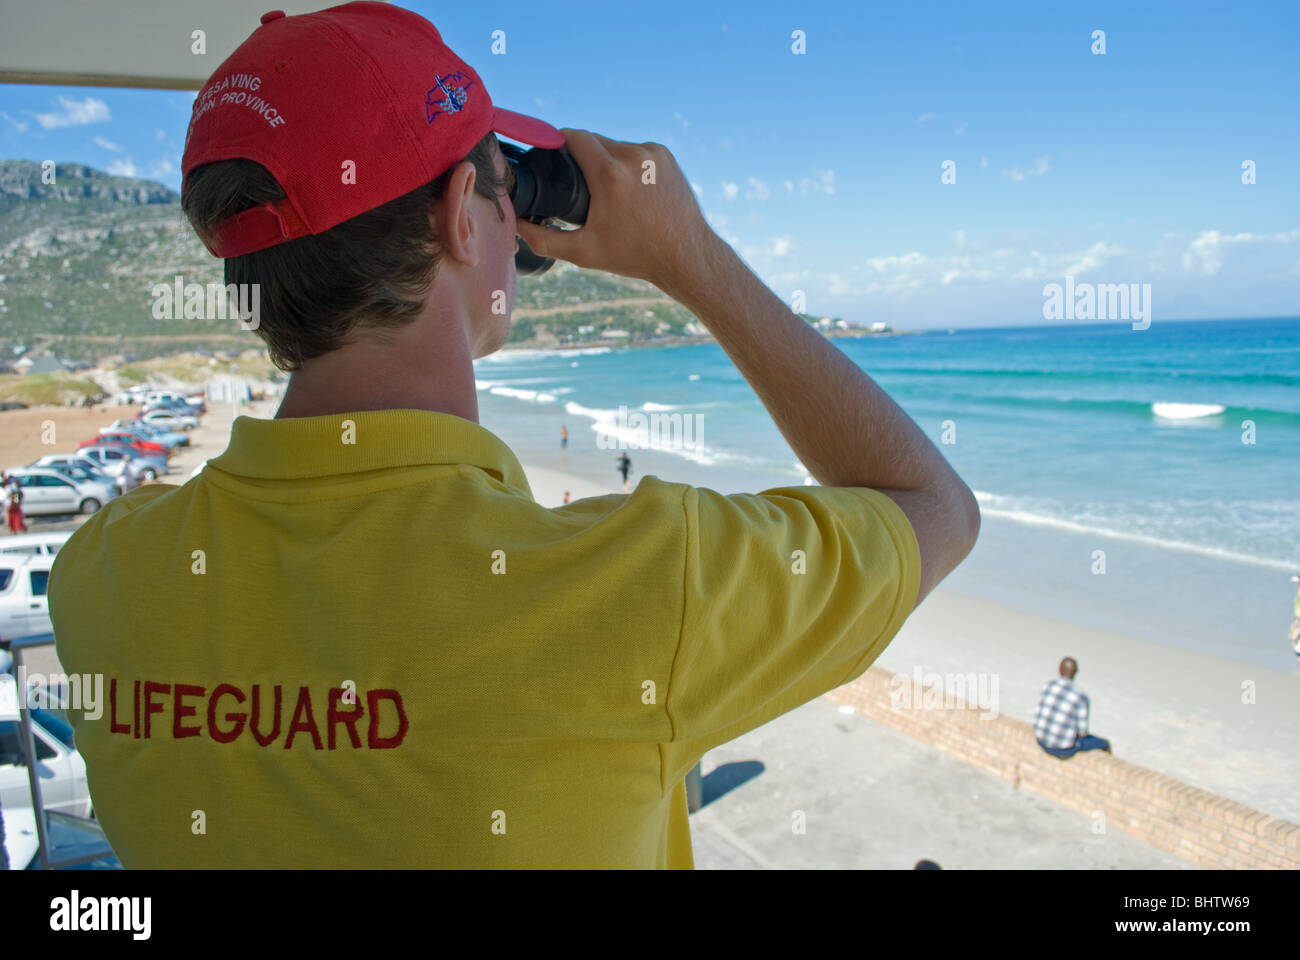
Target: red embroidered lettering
150, 708
257, 704
180, 711
304, 706
373, 739
349, 718
113, 725
223, 736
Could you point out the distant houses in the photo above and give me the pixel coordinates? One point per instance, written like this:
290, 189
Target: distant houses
45, 363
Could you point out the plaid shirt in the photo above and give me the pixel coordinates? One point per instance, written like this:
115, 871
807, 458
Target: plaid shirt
1062, 714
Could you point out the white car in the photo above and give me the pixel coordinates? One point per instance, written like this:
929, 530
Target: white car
76, 464
170, 421
34, 544
47, 491
164, 396
57, 460
112, 461
60, 766
24, 600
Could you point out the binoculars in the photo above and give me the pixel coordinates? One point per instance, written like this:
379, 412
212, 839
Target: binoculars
548, 187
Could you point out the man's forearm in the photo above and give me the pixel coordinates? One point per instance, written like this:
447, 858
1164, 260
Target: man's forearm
845, 429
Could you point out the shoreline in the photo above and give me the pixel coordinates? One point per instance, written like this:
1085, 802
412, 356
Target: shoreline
681, 340
1212, 722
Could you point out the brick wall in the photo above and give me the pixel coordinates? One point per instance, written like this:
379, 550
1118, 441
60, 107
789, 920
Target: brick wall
1197, 825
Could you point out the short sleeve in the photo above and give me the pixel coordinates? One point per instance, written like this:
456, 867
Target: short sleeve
788, 594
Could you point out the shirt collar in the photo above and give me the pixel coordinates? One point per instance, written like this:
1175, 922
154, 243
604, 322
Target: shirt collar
298, 448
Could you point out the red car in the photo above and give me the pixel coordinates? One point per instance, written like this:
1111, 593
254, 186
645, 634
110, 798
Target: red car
125, 439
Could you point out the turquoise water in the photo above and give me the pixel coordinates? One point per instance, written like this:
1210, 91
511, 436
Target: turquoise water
1062, 431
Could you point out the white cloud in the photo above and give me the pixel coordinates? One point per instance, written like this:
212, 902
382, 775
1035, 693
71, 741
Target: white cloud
880, 264
1205, 254
160, 168
1040, 167
959, 274
160, 135
960, 128
780, 246
789, 187
684, 122
1092, 258
108, 144
902, 273
75, 113
758, 190
19, 125
124, 168
824, 183
730, 190
984, 162
925, 118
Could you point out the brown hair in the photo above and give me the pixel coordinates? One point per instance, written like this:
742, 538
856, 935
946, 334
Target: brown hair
370, 273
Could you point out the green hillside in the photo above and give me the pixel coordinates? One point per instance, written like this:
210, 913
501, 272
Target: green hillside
79, 257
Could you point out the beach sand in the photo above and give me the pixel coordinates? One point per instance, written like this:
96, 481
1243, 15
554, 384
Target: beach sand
1214, 723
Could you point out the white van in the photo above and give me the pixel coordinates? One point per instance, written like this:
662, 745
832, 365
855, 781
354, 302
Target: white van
60, 766
24, 603
34, 544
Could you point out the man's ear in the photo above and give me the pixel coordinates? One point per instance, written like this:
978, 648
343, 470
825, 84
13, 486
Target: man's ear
456, 229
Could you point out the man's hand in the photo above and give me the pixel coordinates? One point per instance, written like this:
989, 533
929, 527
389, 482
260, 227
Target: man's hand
648, 230
845, 429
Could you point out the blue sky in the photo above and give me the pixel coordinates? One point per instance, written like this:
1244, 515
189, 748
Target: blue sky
824, 169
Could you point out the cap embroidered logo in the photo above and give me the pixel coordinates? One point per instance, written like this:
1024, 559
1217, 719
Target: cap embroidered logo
449, 94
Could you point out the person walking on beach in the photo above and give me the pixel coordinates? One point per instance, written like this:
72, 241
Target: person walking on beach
1061, 720
564, 437
365, 583
624, 467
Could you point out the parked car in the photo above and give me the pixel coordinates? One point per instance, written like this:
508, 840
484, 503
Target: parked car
147, 447
60, 766
81, 473
169, 396
47, 491
112, 460
69, 838
176, 406
171, 439
34, 544
24, 605
107, 460
166, 419
59, 460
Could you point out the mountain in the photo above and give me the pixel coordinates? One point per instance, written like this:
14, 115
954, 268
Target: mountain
79, 257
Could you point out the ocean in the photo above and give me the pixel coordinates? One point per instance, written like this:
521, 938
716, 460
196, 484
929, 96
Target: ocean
1172, 450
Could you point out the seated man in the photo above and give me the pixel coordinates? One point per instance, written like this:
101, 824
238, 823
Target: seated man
1061, 720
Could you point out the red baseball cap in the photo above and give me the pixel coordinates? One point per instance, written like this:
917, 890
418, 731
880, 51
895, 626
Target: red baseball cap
348, 108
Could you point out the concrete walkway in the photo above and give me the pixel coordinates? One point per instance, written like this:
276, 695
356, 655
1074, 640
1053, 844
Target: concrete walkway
875, 798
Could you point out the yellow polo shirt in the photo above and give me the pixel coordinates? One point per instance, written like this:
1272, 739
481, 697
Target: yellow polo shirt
357, 641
